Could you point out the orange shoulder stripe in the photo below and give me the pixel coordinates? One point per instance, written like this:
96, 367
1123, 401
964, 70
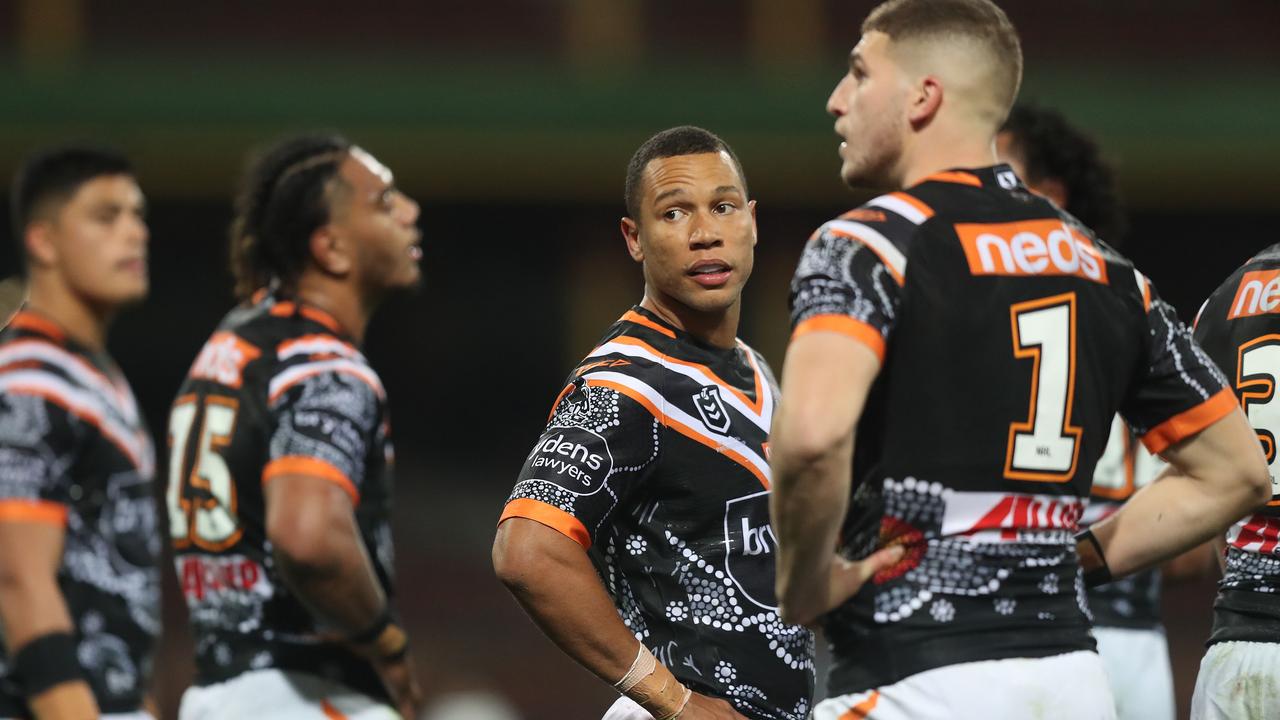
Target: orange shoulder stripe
27, 320
314, 467
955, 176
843, 325
45, 512
549, 515
637, 318
757, 405
1188, 423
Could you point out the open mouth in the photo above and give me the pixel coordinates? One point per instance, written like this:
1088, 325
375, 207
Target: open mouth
710, 273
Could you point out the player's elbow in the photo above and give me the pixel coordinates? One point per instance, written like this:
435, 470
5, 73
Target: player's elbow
806, 445
1257, 483
303, 541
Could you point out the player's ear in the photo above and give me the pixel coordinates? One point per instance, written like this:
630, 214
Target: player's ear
330, 251
631, 234
38, 240
751, 205
926, 100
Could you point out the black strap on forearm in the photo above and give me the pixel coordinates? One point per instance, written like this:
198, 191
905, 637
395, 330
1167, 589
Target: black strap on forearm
1092, 560
371, 633
47, 661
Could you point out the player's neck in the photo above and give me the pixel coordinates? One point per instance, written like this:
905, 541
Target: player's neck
945, 151
83, 321
341, 300
719, 329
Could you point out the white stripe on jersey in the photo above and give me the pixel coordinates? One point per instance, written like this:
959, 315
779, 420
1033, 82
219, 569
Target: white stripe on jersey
75, 366
676, 414
298, 373
883, 247
87, 406
900, 207
315, 345
761, 420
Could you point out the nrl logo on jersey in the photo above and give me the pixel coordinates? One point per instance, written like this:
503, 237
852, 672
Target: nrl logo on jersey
711, 407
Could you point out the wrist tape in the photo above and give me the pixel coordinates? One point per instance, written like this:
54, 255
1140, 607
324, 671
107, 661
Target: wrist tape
652, 686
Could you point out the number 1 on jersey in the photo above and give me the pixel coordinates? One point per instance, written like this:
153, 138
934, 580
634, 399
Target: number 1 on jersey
1045, 447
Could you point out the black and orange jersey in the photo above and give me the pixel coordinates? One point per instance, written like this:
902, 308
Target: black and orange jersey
278, 389
1133, 601
75, 452
1009, 337
1239, 327
654, 459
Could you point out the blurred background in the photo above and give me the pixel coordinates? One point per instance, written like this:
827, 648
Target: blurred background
511, 121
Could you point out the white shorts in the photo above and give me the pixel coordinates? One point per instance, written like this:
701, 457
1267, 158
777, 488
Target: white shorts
280, 695
1137, 664
1238, 681
1072, 686
626, 709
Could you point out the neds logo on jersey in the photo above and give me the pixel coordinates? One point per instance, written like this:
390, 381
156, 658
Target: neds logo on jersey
574, 458
1031, 247
1258, 294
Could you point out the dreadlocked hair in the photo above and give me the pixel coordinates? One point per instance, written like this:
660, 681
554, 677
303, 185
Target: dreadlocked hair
281, 202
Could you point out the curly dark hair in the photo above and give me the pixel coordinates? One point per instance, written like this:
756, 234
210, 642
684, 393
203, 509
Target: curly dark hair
1053, 149
281, 201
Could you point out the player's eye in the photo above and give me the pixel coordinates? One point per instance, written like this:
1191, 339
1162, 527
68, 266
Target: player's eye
673, 214
725, 208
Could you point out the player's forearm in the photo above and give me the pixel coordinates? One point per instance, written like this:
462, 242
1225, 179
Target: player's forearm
807, 504
554, 581
341, 588
32, 607
1168, 518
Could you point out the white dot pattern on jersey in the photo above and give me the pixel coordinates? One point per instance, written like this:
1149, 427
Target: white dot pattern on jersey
1260, 572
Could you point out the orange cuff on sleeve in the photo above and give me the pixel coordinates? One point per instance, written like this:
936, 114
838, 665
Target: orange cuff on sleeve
843, 325
301, 465
1188, 423
549, 515
36, 511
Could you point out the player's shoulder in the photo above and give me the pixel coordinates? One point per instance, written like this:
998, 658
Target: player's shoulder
1253, 290
37, 357
279, 343
637, 345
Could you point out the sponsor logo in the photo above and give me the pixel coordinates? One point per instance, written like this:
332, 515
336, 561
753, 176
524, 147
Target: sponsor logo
1034, 247
1257, 533
576, 458
601, 364
1258, 294
750, 544
714, 414
1016, 516
209, 579
223, 359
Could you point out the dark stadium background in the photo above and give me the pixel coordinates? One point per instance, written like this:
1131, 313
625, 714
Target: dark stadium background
511, 122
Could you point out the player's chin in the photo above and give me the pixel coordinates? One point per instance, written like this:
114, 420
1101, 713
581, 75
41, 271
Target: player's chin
714, 300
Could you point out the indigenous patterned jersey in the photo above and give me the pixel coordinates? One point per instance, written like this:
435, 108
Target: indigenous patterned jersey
654, 459
1239, 327
1125, 467
1009, 337
74, 452
277, 390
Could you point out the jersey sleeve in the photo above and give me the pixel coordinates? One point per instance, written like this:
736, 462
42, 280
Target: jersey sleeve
601, 441
323, 424
1179, 390
38, 447
849, 281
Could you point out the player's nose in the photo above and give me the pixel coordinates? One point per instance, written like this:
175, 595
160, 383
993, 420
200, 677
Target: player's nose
835, 101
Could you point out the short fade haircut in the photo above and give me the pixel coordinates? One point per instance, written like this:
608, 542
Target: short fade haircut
673, 142
51, 177
980, 21
1051, 148
283, 199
